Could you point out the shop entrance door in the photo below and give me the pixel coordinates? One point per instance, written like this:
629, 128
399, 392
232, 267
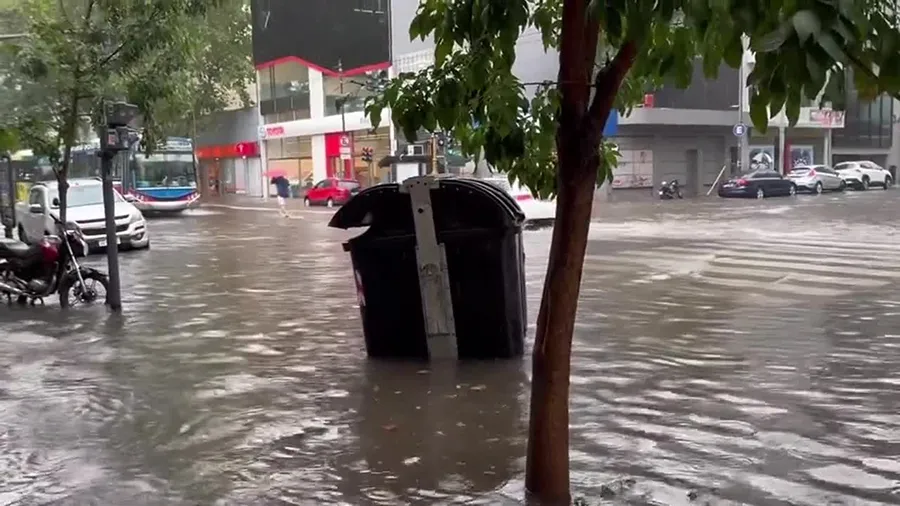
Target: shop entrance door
215, 177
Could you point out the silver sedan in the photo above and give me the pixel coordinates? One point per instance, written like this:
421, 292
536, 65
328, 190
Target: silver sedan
816, 179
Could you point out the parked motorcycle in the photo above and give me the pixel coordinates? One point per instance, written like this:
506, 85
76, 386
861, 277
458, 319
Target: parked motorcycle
670, 190
32, 272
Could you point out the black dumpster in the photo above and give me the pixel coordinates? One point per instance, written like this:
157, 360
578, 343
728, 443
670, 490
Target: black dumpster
480, 227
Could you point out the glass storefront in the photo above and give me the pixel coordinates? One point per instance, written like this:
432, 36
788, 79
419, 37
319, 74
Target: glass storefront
293, 156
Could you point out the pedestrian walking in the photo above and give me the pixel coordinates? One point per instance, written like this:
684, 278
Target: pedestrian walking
283, 189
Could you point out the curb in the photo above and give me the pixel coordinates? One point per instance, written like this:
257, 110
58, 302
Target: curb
261, 209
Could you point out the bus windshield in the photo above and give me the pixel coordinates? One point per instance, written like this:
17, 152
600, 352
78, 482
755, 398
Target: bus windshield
161, 170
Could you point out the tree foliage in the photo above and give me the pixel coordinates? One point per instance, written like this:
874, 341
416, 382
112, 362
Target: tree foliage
798, 43
549, 135
219, 69
79, 52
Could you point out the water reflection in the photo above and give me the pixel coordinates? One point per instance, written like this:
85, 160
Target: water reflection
238, 377
444, 434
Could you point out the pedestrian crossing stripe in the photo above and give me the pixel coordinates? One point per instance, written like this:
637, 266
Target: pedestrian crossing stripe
802, 267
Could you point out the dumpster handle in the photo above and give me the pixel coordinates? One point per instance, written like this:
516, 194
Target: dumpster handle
434, 280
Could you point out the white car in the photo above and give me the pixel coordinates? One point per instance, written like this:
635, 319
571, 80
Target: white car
862, 174
537, 212
85, 209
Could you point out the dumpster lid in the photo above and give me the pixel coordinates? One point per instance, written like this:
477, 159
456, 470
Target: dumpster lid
458, 203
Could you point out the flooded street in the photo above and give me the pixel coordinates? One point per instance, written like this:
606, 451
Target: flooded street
727, 352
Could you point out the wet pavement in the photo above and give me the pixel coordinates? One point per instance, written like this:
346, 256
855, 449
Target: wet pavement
727, 352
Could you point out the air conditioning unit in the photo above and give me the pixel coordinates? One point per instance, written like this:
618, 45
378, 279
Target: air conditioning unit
415, 149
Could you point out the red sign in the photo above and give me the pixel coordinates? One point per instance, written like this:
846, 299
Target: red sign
239, 150
649, 100
335, 141
274, 131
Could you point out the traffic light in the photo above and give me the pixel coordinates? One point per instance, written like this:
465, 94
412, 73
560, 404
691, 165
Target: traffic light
367, 154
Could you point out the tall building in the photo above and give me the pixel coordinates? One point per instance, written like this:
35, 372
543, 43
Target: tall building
308, 55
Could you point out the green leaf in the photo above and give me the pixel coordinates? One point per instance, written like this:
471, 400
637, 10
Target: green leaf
773, 40
759, 112
807, 24
792, 107
666, 65
830, 45
734, 52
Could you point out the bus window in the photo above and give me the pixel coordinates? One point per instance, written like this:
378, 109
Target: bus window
161, 170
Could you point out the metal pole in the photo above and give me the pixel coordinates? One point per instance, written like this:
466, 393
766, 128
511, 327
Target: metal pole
433, 170
716, 182
114, 297
742, 85
344, 171
343, 98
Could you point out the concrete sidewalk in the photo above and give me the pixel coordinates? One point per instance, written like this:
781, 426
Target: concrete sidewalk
245, 203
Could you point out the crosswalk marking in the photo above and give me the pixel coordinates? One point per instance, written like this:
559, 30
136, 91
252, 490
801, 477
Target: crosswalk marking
802, 267
811, 254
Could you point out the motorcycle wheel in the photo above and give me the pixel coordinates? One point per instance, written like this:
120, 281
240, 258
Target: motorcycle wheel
95, 288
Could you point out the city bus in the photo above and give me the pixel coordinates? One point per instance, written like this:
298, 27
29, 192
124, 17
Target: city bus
164, 182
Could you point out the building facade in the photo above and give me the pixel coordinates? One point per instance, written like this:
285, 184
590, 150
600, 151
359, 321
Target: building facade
308, 55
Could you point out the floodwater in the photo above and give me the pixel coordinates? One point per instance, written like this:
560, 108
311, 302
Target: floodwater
735, 352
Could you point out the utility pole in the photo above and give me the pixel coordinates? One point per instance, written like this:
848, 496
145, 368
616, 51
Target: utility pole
114, 138
344, 170
742, 89
343, 98
434, 156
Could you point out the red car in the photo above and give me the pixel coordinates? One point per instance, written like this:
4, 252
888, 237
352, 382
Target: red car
331, 191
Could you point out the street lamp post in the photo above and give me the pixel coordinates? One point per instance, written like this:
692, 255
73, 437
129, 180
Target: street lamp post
343, 98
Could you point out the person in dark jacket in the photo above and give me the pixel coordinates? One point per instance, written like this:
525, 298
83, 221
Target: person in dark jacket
283, 188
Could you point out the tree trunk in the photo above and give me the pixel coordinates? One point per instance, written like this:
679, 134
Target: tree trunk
62, 173
581, 121
547, 473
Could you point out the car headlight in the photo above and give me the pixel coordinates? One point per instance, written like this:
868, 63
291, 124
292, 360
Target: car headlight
137, 217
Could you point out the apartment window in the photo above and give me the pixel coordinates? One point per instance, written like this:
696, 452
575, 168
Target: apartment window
266, 88
369, 6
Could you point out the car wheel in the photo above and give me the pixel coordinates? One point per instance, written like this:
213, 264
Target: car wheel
329, 203
887, 182
818, 189
842, 186
865, 183
306, 202
22, 235
793, 190
760, 194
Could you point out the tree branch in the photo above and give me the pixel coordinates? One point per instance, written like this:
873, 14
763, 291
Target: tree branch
108, 58
607, 83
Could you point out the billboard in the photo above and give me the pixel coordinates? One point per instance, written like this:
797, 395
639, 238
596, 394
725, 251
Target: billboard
321, 33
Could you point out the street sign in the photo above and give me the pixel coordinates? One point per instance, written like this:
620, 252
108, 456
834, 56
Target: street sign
739, 130
346, 150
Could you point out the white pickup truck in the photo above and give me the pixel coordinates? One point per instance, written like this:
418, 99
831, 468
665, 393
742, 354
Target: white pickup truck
85, 209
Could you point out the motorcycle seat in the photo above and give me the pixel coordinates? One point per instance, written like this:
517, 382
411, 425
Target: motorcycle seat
13, 248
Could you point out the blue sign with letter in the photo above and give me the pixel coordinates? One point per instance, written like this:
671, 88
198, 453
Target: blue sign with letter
612, 124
